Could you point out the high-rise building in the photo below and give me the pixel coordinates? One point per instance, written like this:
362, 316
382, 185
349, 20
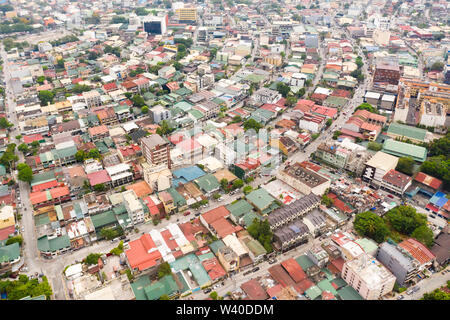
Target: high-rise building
155, 24
369, 277
186, 15
156, 150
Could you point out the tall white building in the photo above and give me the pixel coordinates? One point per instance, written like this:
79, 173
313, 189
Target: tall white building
134, 206
368, 276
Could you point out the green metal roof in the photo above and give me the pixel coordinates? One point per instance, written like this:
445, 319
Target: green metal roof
65, 152
43, 177
103, 219
183, 91
348, 293
407, 131
183, 105
55, 244
256, 248
402, 149
339, 282
367, 244
325, 285
336, 101
139, 285
313, 292
239, 208
248, 218
197, 114
262, 200
305, 262
207, 183
165, 285
10, 252
216, 245
178, 199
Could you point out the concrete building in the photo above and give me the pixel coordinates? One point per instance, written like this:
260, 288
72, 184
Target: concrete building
155, 24
396, 182
228, 258
158, 113
92, 98
134, 207
368, 277
398, 261
433, 114
156, 150
120, 174
304, 180
377, 167
293, 211
387, 70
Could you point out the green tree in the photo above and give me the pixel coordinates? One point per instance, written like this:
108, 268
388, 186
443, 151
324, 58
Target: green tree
92, 258
164, 128
46, 97
164, 297
94, 153
329, 122
436, 295
213, 295
238, 183
99, 187
144, 109
40, 79
247, 189
117, 250
405, 165
327, 201
371, 225
25, 172
216, 196
439, 147
15, 239
23, 147
424, 235
60, 63
252, 124
5, 124
375, 146
164, 269
367, 106
438, 167
80, 155
138, 101
260, 230
437, 66
405, 219
284, 89
291, 101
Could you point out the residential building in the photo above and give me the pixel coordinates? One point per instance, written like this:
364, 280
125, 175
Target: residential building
134, 207
304, 180
156, 150
377, 167
396, 182
398, 261
368, 277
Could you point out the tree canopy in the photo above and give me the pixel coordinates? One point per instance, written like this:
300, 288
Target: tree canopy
284, 89
25, 173
405, 219
371, 225
438, 167
405, 165
164, 269
260, 230
24, 287
252, 124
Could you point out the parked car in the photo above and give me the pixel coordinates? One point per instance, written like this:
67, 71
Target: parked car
207, 291
122, 237
255, 269
187, 213
197, 214
400, 297
390, 196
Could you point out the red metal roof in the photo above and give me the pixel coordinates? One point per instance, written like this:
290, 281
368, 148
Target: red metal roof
417, 250
281, 276
293, 268
98, 177
254, 290
139, 255
45, 186
428, 180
